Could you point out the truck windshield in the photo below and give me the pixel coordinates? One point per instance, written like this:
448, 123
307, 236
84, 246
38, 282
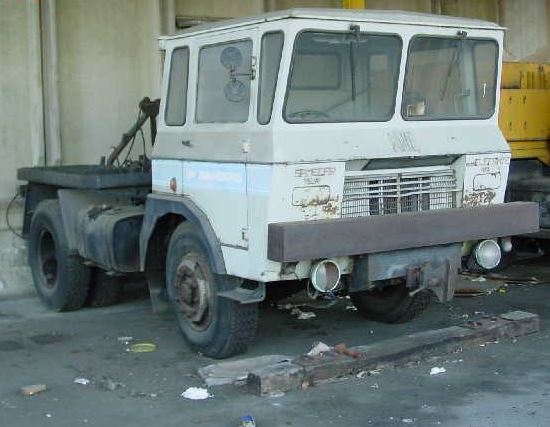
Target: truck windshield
450, 78
342, 77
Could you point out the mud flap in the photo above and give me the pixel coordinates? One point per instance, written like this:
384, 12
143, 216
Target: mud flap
439, 278
245, 295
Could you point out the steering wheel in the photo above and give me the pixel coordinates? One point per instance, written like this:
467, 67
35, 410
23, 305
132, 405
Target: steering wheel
308, 115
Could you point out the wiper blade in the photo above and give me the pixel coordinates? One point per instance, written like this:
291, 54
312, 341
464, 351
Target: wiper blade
457, 55
352, 69
354, 29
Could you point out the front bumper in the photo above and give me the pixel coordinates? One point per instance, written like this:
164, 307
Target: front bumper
306, 240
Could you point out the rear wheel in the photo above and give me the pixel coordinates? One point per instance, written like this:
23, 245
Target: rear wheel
105, 290
390, 304
60, 278
216, 326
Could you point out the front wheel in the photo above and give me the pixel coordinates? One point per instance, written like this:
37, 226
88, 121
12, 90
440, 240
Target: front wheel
215, 326
391, 303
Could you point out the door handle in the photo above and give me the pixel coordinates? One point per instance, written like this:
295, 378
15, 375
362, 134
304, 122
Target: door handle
186, 143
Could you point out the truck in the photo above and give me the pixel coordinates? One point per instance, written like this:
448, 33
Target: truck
347, 152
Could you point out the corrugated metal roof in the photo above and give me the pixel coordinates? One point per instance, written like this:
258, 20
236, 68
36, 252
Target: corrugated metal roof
367, 15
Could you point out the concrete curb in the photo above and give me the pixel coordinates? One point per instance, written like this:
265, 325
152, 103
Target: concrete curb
303, 371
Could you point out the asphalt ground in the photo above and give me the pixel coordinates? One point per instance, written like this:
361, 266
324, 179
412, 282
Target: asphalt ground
498, 384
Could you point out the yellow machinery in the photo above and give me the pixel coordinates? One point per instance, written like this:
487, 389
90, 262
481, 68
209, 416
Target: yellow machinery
525, 109
525, 122
353, 4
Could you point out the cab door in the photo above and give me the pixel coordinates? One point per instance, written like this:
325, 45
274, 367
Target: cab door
212, 146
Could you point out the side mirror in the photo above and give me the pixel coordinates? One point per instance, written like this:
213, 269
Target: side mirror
232, 58
235, 90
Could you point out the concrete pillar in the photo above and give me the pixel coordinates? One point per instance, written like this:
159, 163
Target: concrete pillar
163, 18
168, 13
36, 111
270, 5
52, 132
528, 25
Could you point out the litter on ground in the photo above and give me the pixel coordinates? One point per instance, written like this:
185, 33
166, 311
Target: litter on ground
248, 421
196, 393
31, 390
81, 381
364, 374
343, 349
468, 293
318, 349
437, 370
305, 315
142, 347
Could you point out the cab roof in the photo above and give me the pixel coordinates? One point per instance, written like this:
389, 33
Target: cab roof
366, 15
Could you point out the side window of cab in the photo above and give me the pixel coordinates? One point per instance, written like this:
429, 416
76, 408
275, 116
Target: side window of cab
223, 87
270, 59
176, 97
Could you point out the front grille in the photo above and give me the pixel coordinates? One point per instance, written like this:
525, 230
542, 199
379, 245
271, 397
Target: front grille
369, 194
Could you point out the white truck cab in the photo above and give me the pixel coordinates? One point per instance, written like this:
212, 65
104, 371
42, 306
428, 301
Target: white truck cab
339, 147
354, 152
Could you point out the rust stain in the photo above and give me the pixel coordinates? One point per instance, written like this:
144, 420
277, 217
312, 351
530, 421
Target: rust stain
478, 198
332, 206
322, 209
314, 201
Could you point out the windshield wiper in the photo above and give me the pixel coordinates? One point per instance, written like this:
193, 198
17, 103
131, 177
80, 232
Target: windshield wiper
354, 29
457, 56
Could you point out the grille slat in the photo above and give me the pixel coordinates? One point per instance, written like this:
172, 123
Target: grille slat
366, 195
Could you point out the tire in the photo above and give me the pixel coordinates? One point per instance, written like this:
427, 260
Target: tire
390, 304
213, 325
506, 259
105, 290
60, 278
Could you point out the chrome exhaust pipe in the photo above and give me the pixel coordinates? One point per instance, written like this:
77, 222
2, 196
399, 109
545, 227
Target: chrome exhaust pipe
325, 275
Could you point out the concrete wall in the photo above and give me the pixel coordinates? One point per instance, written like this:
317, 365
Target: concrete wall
21, 141
219, 9
108, 60
19, 80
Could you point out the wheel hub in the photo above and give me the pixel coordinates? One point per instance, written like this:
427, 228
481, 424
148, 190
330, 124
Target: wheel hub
193, 291
47, 259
